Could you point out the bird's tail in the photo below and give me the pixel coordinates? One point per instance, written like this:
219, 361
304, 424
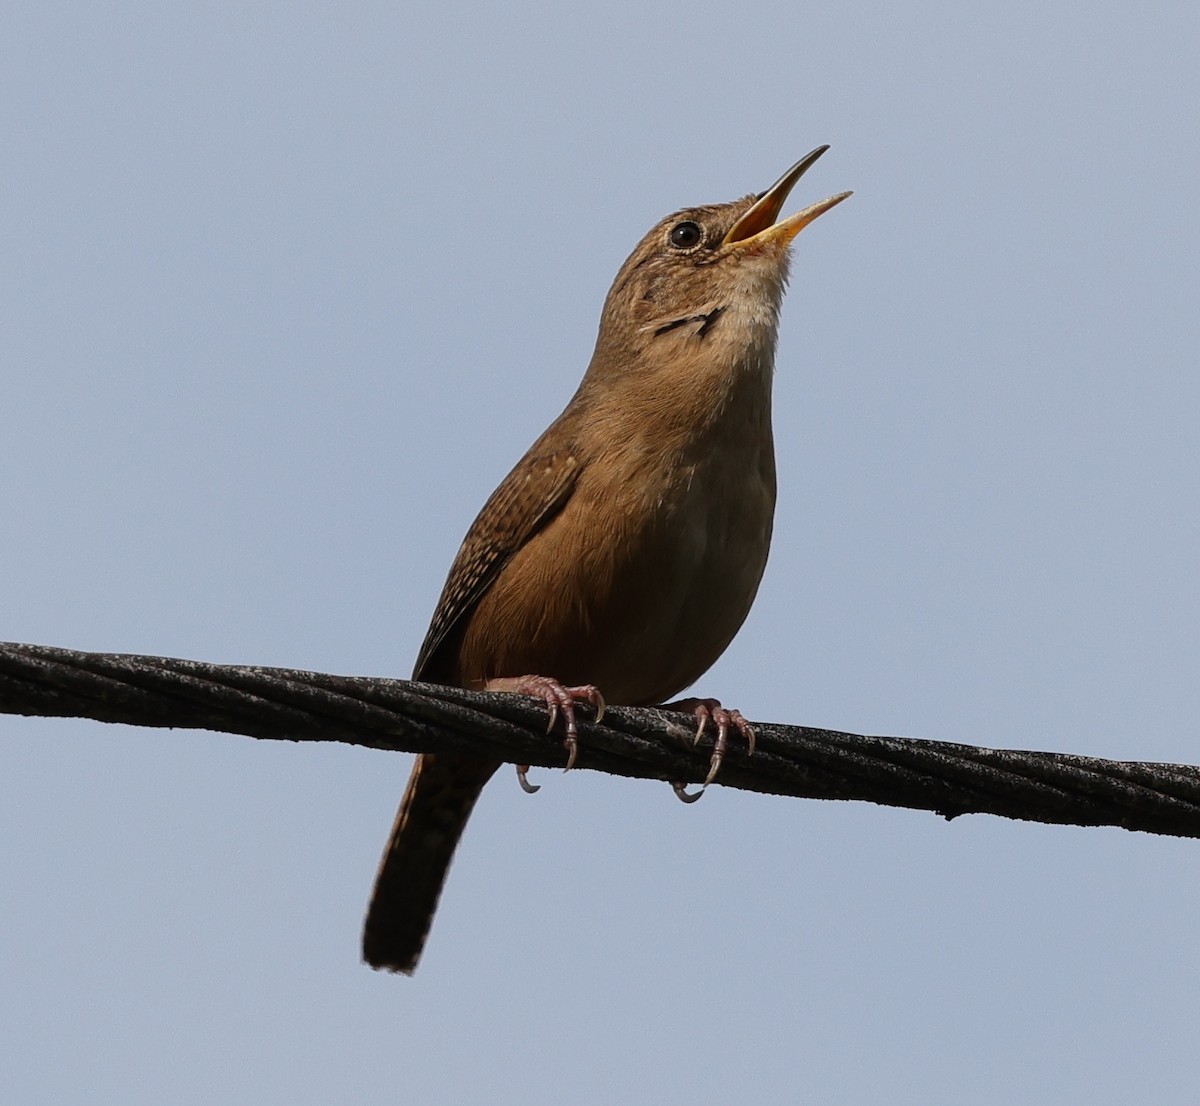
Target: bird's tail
433, 813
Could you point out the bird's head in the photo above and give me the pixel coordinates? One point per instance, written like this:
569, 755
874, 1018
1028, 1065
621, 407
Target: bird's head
711, 274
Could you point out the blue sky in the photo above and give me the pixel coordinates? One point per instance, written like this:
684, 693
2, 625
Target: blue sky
288, 288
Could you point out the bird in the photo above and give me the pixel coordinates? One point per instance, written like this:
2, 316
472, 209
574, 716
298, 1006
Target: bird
620, 556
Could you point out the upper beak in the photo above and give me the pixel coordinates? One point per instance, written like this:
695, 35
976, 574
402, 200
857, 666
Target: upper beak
758, 224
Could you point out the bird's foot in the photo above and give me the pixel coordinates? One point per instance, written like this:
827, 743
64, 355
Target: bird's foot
558, 699
707, 710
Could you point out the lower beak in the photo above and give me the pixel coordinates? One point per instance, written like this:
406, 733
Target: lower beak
758, 225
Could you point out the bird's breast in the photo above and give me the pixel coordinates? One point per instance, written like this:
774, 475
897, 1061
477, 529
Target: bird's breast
644, 577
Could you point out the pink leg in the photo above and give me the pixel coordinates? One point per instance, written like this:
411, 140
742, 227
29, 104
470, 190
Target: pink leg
557, 698
705, 709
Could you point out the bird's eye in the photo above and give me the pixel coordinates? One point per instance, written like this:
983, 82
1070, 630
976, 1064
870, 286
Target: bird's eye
685, 235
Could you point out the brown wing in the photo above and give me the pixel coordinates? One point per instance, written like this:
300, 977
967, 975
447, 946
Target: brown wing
530, 496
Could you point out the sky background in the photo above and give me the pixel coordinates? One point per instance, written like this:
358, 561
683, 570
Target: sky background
286, 290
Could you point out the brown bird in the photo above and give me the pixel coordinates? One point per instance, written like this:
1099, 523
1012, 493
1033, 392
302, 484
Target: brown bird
625, 548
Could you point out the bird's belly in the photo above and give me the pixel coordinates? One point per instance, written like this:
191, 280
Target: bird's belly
711, 552
644, 597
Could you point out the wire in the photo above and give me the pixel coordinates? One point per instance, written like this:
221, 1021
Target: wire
292, 705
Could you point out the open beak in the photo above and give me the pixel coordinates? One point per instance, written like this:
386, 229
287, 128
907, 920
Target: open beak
758, 225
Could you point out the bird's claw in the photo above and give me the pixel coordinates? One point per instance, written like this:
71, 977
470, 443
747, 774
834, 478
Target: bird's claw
559, 700
705, 709
681, 793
